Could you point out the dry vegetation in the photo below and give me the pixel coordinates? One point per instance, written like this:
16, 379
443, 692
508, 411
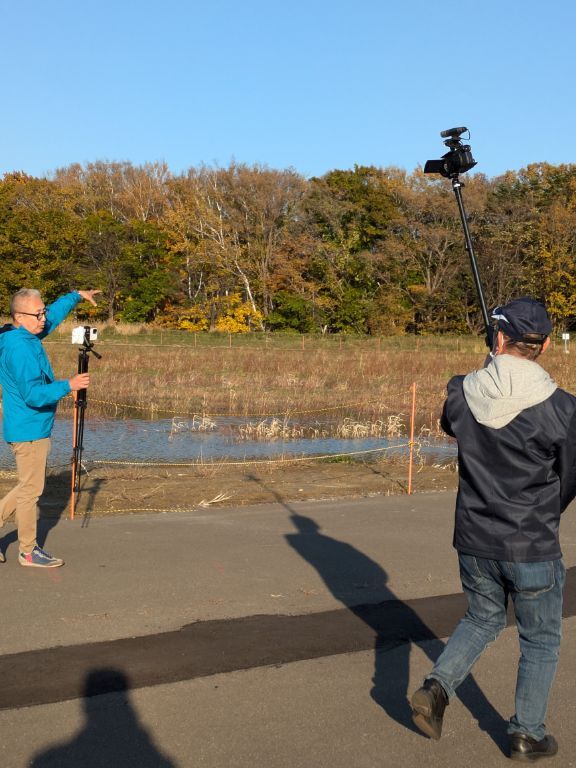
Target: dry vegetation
358, 388
282, 387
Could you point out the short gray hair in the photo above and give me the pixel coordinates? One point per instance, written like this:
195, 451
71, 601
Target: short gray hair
22, 295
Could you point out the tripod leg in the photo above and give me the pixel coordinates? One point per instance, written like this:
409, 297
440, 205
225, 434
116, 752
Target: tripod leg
79, 408
79, 446
74, 462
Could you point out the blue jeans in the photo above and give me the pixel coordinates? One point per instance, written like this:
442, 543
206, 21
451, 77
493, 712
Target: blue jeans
536, 592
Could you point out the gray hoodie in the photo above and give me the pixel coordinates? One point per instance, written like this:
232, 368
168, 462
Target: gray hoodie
508, 385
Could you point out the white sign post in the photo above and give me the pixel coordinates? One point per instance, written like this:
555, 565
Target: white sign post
566, 340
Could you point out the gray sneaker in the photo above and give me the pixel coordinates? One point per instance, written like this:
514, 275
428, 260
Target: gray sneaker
39, 559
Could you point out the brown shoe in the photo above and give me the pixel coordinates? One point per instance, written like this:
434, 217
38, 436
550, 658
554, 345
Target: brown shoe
428, 705
523, 747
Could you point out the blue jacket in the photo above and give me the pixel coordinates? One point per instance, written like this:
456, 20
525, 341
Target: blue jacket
30, 393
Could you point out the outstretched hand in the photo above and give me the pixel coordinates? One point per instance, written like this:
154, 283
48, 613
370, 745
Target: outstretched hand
89, 296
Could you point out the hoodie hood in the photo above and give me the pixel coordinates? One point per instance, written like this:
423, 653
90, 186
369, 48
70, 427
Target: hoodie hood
506, 387
3, 329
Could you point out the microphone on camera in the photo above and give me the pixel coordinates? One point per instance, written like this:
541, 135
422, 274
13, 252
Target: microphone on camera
452, 132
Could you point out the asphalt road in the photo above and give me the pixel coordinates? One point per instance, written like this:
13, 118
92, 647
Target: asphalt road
278, 635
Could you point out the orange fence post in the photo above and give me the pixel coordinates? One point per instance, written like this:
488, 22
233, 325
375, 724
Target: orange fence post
411, 459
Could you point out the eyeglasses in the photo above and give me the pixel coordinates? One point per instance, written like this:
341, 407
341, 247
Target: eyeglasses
37, 315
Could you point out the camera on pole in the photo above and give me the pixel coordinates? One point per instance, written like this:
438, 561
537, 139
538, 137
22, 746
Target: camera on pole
84, 336
459, 160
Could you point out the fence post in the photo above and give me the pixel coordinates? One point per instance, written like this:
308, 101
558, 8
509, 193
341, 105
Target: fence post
411, 458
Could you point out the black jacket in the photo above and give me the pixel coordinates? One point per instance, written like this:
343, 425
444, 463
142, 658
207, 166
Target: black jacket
514, 481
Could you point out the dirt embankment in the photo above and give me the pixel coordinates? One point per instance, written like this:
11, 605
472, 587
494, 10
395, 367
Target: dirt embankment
109, 490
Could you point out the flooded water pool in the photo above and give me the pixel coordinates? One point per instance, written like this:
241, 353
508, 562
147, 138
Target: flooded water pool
169, 441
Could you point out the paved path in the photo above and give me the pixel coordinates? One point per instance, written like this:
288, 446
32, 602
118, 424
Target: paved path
277, 635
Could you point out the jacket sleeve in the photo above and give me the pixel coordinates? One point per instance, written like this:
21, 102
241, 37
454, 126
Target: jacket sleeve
445, 421
33, 384
58, 311
446, 418
565, 465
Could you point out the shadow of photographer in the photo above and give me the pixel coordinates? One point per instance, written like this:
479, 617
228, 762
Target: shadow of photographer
112, 734
344, 569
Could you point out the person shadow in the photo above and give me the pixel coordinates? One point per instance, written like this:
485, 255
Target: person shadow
112, 734
346, 571
52, 505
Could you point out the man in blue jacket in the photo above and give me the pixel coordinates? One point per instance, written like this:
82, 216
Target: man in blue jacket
516, 433
30, 395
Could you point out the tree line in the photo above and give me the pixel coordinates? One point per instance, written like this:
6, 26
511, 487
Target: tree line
369, 250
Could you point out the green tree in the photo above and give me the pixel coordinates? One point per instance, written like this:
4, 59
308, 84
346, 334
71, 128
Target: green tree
40, 237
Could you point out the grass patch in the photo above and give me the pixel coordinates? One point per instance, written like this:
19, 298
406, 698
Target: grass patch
284, 387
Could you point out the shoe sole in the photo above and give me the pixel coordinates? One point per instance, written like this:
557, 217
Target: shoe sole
25, 564
421, 712
523, 757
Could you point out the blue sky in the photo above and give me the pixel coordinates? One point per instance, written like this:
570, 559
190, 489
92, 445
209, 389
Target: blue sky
311, 85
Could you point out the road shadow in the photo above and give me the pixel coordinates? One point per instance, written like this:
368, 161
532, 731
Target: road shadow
345, 570
88, 494
54, 502
386, 475
52, 506
112, 734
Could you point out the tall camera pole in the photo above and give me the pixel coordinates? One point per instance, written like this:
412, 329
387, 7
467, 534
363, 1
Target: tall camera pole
457, 187
458, 160
80, 401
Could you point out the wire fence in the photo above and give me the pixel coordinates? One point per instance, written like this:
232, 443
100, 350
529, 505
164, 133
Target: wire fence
189, 438
144, 335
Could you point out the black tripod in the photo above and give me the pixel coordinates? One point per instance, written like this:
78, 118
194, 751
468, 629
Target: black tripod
80, 402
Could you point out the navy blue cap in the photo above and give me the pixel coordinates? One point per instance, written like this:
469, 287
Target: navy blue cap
523, 318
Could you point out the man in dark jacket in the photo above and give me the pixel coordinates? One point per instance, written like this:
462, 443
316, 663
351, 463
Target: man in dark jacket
516, 433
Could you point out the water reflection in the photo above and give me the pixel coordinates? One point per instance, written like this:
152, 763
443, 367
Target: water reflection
162, 440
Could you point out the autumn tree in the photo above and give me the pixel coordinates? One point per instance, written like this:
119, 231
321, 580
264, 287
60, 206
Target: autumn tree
40, 237
231, 227
130, 264
349, 214
124, 191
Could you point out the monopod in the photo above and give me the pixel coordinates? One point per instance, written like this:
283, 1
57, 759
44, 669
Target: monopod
80, 401
456, 161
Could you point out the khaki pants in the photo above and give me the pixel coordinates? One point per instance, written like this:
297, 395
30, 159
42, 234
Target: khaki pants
22, 500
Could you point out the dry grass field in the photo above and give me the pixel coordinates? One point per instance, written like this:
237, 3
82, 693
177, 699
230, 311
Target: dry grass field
287, 386
331, 384
271, 387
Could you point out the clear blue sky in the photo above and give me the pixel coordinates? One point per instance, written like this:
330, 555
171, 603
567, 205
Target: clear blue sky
313, 85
